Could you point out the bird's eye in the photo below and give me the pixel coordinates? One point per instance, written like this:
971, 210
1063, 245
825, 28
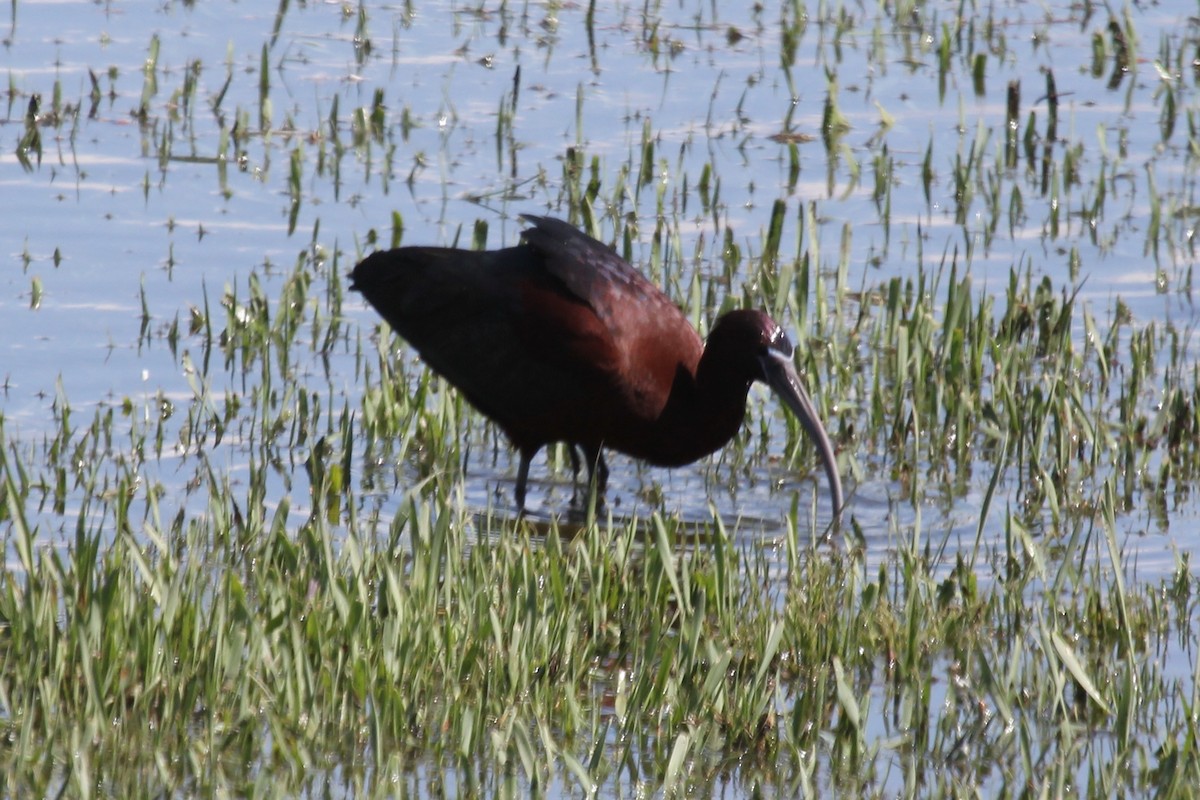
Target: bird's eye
779, 344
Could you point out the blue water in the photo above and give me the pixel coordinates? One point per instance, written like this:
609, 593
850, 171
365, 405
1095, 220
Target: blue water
134, 230
129, 224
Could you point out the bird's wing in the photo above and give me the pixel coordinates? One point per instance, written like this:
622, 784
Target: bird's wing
517, 342
634, 337
591, 270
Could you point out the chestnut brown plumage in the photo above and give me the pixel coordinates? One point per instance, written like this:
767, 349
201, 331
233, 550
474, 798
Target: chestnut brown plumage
558, 339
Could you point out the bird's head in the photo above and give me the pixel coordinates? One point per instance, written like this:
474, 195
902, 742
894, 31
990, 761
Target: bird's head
749, 346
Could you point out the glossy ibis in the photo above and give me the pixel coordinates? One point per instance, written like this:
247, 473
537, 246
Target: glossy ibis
558, 339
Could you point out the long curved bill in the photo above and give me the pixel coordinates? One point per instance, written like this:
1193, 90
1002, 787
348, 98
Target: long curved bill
782, 378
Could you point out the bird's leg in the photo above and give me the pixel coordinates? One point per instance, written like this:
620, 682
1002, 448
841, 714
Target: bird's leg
600, 472
523, 478
597, 472
575, 463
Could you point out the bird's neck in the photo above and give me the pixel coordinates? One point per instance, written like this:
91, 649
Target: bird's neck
705, 411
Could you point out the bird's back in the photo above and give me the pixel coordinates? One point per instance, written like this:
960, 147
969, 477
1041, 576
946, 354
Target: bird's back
556, 339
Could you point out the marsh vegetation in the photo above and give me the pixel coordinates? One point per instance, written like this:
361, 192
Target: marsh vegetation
254, 548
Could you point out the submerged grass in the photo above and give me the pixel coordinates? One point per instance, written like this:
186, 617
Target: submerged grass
418, 655
423, 650
269, 582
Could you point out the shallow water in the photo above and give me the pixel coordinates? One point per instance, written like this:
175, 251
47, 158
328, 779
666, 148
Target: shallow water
127, 224
142, 215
